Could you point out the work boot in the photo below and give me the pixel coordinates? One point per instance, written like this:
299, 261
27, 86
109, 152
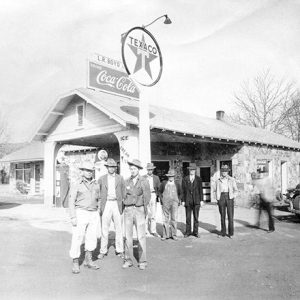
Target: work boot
75, 268
88, 261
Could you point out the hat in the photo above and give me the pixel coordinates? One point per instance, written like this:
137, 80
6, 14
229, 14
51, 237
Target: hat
87, 165
225, 168
110, 163
136, 163
150, 166
192, 166
171, 173
254, 175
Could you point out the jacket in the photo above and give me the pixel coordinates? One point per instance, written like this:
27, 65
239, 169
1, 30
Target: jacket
84, 195
138, 194
162, 189
233, 190
192, 193
119, 188
156, 183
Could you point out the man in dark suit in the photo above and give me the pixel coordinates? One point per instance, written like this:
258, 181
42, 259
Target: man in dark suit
192, 195
154, 183
112, 193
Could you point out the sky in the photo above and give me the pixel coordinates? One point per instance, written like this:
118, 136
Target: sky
209, 50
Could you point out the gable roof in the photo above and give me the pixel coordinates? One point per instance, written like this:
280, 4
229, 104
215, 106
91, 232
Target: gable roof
125, 111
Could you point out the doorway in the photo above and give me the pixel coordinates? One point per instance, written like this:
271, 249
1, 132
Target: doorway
284, 178
205, 174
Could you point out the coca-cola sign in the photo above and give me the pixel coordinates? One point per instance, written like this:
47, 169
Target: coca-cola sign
109, 79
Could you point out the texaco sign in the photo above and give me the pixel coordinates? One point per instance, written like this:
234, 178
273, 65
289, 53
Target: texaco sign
141, 56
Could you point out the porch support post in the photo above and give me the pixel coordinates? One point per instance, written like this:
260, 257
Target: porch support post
50, 152
129, 149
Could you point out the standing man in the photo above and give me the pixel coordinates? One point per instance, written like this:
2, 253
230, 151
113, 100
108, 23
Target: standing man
154, 183
225, 190
136, 201
192, 198
112, 193
83, 205
170, 191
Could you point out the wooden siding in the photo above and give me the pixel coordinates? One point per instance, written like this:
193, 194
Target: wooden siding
93, 118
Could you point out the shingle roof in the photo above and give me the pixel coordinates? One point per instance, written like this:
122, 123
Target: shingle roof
31, 152
35, 152
187, 123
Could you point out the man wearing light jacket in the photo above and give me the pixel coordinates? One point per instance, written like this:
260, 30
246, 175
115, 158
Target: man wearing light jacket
225, 190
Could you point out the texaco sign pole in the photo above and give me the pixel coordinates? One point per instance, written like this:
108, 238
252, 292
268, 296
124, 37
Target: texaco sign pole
142, 59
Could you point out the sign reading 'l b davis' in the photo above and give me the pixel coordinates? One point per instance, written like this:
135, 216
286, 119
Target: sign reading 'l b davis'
107, 79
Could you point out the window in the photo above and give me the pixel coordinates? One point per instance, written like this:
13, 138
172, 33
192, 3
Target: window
80, 114
23, 172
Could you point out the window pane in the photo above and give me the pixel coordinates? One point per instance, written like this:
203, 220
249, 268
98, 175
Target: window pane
27, 176
20, 166
19, 175
27, 166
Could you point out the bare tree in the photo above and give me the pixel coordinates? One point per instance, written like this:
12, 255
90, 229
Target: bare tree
262, 101
4, 135
292, 117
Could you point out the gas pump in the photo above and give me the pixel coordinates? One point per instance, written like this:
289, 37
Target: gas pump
62, 185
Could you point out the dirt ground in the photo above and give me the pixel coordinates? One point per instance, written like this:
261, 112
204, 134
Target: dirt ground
254, 265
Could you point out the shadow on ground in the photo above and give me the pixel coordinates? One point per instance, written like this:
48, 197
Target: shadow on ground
7, 205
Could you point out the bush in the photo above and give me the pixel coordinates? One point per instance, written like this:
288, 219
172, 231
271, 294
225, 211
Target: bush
22, 187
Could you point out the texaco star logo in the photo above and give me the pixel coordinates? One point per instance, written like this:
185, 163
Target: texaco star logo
141, 56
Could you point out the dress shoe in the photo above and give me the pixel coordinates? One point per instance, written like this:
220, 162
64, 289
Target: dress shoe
196, 235
142, 266
175, 238
127, 264
164, 238
186, 235
120, 254
156, 234
270, 231
231, 237
102, 255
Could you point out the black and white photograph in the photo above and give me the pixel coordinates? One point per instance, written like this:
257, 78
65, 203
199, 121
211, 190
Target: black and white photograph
149, 149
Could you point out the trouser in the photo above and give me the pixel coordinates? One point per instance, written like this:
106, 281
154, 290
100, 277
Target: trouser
188, 217
226, 203
135, 216
111, 212
87, 224
170, 215
269, 209
151, 216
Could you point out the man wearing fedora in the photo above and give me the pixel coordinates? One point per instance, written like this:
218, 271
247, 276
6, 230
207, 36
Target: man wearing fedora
170, 194
192, 196
112, 193
225, 190
154, 183
83, 206
137, 197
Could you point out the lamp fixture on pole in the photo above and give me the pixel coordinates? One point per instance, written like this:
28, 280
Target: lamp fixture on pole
166, 21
